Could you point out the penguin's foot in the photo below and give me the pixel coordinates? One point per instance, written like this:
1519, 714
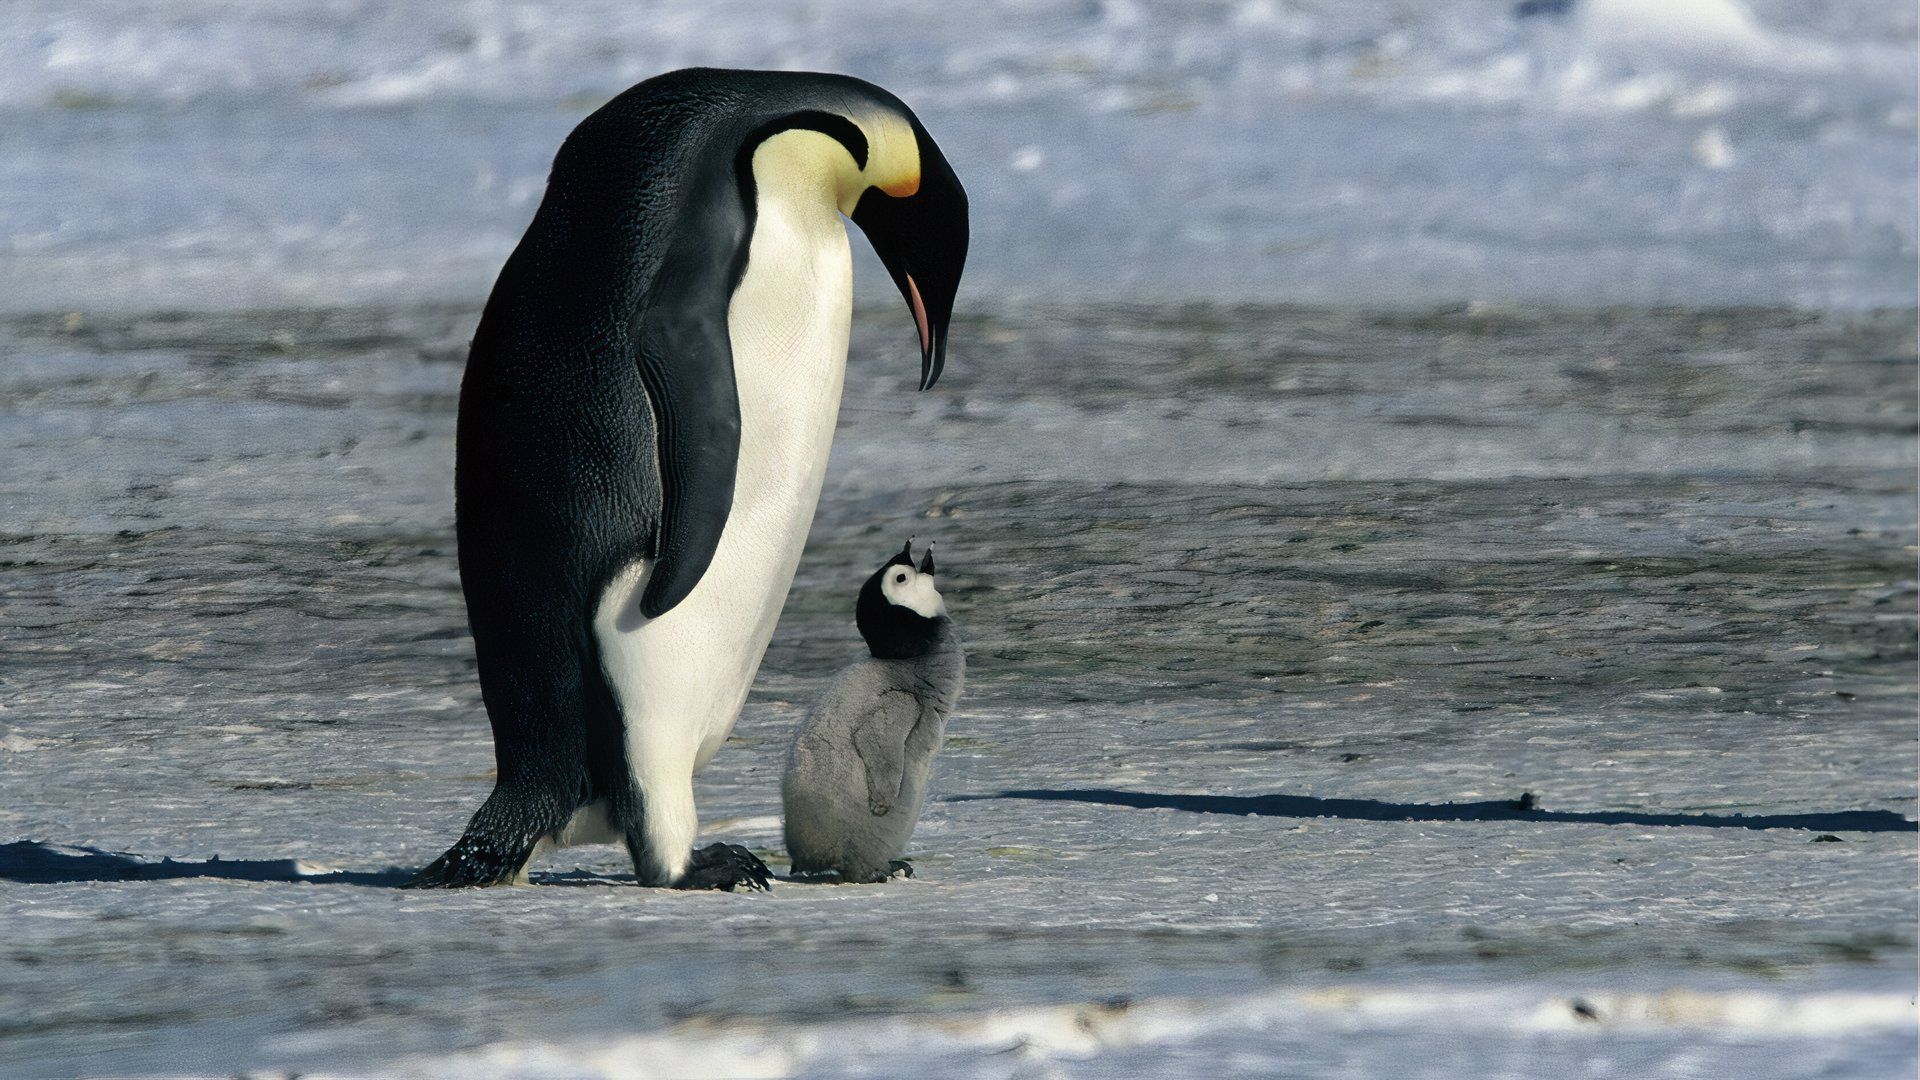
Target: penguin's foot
499, 841
470, 866
725, 867
899, 868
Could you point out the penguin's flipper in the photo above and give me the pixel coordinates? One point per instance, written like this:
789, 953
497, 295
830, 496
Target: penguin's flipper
880, 741
725, 867
686, 362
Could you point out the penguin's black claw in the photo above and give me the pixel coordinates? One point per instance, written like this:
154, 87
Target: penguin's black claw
899, 868
465, 869
499, 840
725, 867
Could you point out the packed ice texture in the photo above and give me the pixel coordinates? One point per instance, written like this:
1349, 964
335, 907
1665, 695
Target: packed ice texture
1236, 790
1383, 152
1278, 614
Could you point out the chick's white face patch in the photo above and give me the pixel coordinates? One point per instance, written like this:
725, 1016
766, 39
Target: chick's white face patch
909, 588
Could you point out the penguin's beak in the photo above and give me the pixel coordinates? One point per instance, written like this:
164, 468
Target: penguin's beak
921, 238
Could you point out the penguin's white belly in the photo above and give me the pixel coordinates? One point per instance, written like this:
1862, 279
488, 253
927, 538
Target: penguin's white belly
681, 679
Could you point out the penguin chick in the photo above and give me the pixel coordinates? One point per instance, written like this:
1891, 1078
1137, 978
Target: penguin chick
857, 773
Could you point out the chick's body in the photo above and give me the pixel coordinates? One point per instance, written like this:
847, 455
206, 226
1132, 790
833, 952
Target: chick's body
857, 773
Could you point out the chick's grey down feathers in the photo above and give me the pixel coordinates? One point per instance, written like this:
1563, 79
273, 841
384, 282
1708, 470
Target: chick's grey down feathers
857, 773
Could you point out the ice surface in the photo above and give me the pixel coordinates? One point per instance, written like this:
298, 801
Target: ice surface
1355, 1031
1382, 152
1277, 611
1252, 593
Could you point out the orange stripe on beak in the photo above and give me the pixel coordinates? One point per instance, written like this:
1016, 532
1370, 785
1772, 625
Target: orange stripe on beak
919, 315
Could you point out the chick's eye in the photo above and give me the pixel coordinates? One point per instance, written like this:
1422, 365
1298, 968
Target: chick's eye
899, 577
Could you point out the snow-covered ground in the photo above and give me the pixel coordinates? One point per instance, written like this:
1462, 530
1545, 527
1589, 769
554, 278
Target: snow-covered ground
1274, 613
1277, 612
1399, 152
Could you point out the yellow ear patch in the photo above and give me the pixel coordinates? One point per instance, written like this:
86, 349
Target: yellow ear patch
893, 155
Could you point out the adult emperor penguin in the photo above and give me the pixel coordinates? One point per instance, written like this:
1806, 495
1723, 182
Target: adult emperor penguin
643, 432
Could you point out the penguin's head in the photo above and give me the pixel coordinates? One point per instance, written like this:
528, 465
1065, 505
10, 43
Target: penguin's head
883, 171
900, 611
914, 212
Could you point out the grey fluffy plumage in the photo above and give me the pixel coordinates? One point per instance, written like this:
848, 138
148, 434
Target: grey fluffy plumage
857, 773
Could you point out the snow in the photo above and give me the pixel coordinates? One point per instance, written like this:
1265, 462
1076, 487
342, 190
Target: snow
1398, 582
1202, 807
1381, 152
1625, 1035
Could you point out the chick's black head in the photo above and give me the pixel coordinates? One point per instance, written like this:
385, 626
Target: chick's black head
900, 611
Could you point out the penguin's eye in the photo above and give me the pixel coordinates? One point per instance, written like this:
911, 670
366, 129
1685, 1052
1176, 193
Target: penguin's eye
898, 578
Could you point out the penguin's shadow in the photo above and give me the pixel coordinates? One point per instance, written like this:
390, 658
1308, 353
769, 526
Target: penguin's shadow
1523, 809
38, 863
34, 862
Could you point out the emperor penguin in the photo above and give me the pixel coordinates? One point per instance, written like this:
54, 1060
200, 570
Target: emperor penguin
643, 432
857, 771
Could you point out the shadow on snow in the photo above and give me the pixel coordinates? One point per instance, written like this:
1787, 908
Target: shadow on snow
1521, 809
37, 863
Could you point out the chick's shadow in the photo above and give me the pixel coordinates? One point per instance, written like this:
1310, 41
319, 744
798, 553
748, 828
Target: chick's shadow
1523, 809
